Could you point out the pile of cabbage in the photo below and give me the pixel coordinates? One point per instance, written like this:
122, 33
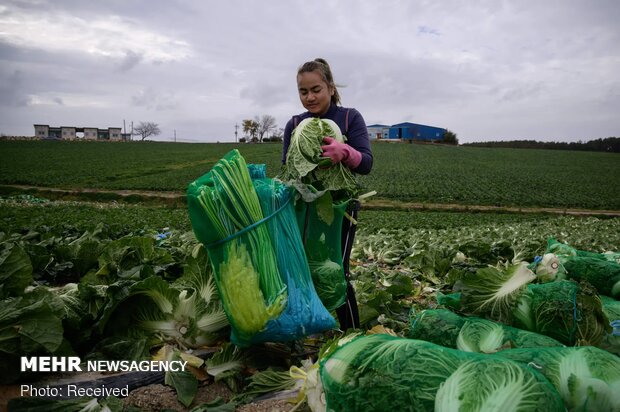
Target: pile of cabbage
379, 372
539, 336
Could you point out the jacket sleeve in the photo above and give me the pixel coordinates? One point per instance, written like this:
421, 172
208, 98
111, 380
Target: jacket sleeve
286, 139
357, 137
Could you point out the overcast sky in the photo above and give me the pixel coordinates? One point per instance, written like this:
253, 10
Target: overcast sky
487, 70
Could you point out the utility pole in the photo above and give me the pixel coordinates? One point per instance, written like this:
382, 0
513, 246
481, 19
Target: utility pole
236, 127
175, 135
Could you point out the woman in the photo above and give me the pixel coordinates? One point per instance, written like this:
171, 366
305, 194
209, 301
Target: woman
319, 96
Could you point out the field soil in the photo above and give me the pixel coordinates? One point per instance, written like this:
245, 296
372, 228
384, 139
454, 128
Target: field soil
157, 397
178, 198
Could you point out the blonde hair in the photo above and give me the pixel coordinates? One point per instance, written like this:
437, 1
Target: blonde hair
321, 65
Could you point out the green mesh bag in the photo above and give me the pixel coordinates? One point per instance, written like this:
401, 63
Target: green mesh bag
586, 377
385, 373
602, 270
304, 313
563, 249
248, 224
567, 311
604, 275
439, 326
450, 301
470, 333
320, 225
227, 218
611, 341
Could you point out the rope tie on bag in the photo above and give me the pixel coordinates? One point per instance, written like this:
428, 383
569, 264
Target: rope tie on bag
248, 228
575, 317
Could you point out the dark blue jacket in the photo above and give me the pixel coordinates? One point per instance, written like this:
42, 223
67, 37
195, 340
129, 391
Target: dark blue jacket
351, 125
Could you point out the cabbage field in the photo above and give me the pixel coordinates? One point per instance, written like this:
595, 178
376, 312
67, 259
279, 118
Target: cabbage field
101, 278
412, 173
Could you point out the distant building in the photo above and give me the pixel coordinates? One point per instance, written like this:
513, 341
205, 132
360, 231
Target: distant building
44, 131
406, 131
378, 131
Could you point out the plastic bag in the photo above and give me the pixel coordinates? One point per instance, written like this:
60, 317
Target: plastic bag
320, 225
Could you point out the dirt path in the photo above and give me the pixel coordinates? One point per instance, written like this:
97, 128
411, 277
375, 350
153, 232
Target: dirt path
171, 197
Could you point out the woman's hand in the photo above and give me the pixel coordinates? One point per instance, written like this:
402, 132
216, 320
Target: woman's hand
341, 153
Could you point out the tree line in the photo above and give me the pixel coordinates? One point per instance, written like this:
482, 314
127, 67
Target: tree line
608, 144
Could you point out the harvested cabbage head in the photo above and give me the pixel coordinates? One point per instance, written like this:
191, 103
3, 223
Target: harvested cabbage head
489, 385
303, 158
494, 292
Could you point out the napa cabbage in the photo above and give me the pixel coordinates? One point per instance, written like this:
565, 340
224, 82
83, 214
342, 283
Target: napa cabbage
305, 165
329, 282
488, 385
381, 372
587, 378
493, 292
470, 333
187, 313
600, 269
480, 336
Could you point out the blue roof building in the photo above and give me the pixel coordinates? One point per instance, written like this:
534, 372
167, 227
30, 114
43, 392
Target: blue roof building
414, 131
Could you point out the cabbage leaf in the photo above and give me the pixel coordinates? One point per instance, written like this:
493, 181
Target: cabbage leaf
304, 162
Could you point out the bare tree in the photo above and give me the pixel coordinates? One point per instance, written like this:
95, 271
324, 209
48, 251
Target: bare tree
146, 129
265, 124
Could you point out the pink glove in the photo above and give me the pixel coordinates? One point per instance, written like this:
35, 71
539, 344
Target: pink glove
341, 152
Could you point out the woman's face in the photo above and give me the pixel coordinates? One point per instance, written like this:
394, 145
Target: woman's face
314, 93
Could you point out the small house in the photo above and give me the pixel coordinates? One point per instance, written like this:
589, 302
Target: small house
378, 131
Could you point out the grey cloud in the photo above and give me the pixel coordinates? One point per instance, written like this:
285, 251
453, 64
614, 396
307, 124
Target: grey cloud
12, 90
154, 100
265, 94
130, 60
474, 68
522, 92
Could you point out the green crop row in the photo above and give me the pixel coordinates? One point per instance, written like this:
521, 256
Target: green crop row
418, 173
24, 214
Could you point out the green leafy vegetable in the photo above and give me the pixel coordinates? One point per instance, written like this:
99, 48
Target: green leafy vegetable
587, 378
187, 312
547, 269
567, 311
29, 324
15, 270
226, 216
472, 334
382, 372
493, 292
489, 385
600, 269
183, 381
239, 286
226, 362
303, 159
